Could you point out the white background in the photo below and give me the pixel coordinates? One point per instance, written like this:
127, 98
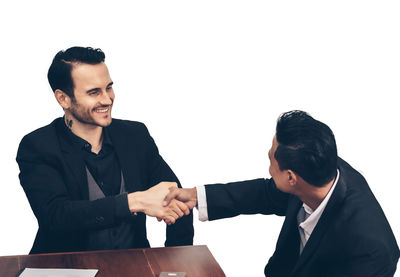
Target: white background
209, 79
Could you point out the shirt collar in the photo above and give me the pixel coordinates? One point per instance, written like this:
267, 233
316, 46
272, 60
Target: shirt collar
309, 224
83, 144
72, 138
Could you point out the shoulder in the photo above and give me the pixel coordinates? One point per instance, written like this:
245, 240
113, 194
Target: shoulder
360, 206
361, 221
45, 130
349, 173
43, 139
132, 135
128, 125
128, 128
357, 190
42, 135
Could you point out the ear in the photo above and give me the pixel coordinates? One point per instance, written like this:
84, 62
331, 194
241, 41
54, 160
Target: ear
63, 99
292, 178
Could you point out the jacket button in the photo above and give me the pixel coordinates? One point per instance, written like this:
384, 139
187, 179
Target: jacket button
100, 219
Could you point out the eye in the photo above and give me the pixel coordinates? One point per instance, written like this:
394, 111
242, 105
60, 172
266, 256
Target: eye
93, 92
109, 88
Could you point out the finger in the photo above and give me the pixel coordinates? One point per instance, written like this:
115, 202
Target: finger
183, 207
174, 192
174, 185
170, 220
175, 213
169, 214
159, 219
175, 208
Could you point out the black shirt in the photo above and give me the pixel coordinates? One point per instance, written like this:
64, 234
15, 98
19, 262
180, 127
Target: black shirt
103, 166
106, 170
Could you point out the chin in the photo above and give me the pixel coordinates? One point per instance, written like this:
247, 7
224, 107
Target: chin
104, 122
107, 123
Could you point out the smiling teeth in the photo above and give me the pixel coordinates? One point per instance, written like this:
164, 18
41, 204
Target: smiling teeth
101, 110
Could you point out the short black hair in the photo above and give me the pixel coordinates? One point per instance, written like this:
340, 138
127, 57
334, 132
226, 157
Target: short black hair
59, 74
306, 146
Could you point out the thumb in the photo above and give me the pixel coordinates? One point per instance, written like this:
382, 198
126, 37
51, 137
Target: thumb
173, 193
172, 185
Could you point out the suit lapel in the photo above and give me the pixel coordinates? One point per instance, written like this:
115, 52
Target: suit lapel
288, 245
74, 161
327, 217
121, 147
290, 223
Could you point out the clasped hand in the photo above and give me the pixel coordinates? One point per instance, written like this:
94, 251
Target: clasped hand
187, 197
155, 202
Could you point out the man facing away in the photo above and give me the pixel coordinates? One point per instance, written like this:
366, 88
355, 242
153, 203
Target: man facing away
89, 178
333, 224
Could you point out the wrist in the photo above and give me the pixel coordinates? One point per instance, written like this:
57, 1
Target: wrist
135, 202
194, 196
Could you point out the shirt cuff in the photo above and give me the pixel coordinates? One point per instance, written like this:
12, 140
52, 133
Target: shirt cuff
121, 206
202, 203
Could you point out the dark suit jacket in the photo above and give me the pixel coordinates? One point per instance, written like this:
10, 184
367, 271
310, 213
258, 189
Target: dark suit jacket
352, 237
54, 178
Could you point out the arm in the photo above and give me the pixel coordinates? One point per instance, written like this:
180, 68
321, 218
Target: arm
259, 196
58, 206
150, 203
232, 199
180, 233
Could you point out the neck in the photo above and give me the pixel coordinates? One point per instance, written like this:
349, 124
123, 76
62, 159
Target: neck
313, 196
91, 133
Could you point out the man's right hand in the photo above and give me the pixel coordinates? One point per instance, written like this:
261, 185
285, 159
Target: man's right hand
187, 196
150, 202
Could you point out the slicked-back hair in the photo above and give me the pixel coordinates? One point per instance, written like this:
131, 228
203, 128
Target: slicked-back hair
307, 147
59, 74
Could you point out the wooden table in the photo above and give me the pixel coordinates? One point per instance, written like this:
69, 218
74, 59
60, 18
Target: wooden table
196, 261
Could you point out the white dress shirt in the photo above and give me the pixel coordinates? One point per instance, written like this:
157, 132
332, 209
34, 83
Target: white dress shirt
202, 203
307, 218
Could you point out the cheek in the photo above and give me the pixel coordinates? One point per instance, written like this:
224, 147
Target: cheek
91, 104
112, 95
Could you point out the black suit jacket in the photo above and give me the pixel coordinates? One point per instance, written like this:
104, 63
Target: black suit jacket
352, 237
54, 179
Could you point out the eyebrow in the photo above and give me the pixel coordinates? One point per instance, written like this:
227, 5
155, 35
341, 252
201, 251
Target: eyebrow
96, 89
92, 90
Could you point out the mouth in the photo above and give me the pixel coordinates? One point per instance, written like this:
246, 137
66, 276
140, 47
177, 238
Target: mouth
102, 109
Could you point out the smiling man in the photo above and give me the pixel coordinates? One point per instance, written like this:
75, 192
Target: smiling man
91, 179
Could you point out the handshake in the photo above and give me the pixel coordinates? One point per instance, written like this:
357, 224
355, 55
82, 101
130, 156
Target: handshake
165, 201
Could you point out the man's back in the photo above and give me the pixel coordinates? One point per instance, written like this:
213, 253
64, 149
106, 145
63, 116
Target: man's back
352, 237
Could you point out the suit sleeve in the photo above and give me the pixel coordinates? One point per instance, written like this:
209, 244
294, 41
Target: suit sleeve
259, 196
180, 233
47, 194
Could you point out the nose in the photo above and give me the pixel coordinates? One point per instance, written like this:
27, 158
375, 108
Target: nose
106, 98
